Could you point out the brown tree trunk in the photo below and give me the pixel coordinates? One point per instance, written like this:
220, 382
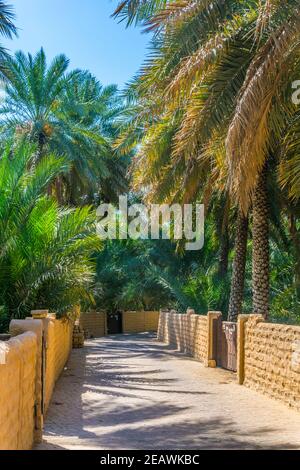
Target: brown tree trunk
224, 242
238, 268
224, 253
261, 249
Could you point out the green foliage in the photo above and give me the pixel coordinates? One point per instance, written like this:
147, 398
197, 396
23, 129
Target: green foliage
67, 139
45, 256
152, 274
66, 113
211, 105
138, 11
7, 29
4, 319
285, 303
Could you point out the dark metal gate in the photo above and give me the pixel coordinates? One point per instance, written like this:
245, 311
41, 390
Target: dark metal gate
114, 323
227, 345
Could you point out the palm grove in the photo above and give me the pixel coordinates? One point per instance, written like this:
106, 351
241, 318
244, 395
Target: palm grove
208, 118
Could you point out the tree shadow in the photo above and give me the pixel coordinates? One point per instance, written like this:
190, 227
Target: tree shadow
101, 403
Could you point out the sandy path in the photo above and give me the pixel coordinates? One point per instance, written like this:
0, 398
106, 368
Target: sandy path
132, 392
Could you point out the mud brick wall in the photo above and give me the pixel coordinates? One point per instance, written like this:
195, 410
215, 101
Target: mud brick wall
59, 337
133, 322
272, 360
21, 381
140, 321
63, 344
17, 392
201, 338
94, 323
151, 320
187, 333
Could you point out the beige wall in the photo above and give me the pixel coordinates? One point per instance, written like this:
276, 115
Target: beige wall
21, 417
140, 321
187, 333
271, 362
58, 347
17, 392
268, 355
94, 323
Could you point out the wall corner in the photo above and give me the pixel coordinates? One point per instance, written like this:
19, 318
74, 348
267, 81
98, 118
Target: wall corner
241, 323
213, 318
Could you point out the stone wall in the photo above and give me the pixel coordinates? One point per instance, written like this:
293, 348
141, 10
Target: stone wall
189, 333
93, 323
25, 392
271, 362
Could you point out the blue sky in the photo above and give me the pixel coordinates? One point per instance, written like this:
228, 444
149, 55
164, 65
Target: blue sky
84, 31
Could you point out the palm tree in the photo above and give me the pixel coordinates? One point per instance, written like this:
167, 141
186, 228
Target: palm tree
138, 10
69, 114
229, 66
238, 268
93, 112
198, 65
45, 256
33, 93
264, 110
7, 29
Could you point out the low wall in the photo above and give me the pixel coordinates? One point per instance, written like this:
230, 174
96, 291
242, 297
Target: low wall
94, 323
140, 321
190, 334
57, 350
270, 361
25, 392
17, 392
268, 355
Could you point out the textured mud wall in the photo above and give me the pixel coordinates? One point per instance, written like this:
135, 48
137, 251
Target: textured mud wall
24, 392
58, 346
140, 321
187, 333
94, 323
272, 360
17, 392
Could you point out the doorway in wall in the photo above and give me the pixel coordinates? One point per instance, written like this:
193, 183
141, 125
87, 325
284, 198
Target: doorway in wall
114, 323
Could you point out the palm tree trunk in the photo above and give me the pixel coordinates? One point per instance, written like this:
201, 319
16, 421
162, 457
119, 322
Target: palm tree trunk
238, 269
224, 254
224, 242
261, 249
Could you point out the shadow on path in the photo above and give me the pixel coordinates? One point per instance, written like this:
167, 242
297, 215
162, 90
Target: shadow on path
131, 392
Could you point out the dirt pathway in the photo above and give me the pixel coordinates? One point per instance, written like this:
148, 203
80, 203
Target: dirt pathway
131, 392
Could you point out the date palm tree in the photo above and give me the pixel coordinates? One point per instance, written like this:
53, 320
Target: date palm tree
264, 110
198, 66
69, 114
229, 65
139, 11
8, 30
45, 256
